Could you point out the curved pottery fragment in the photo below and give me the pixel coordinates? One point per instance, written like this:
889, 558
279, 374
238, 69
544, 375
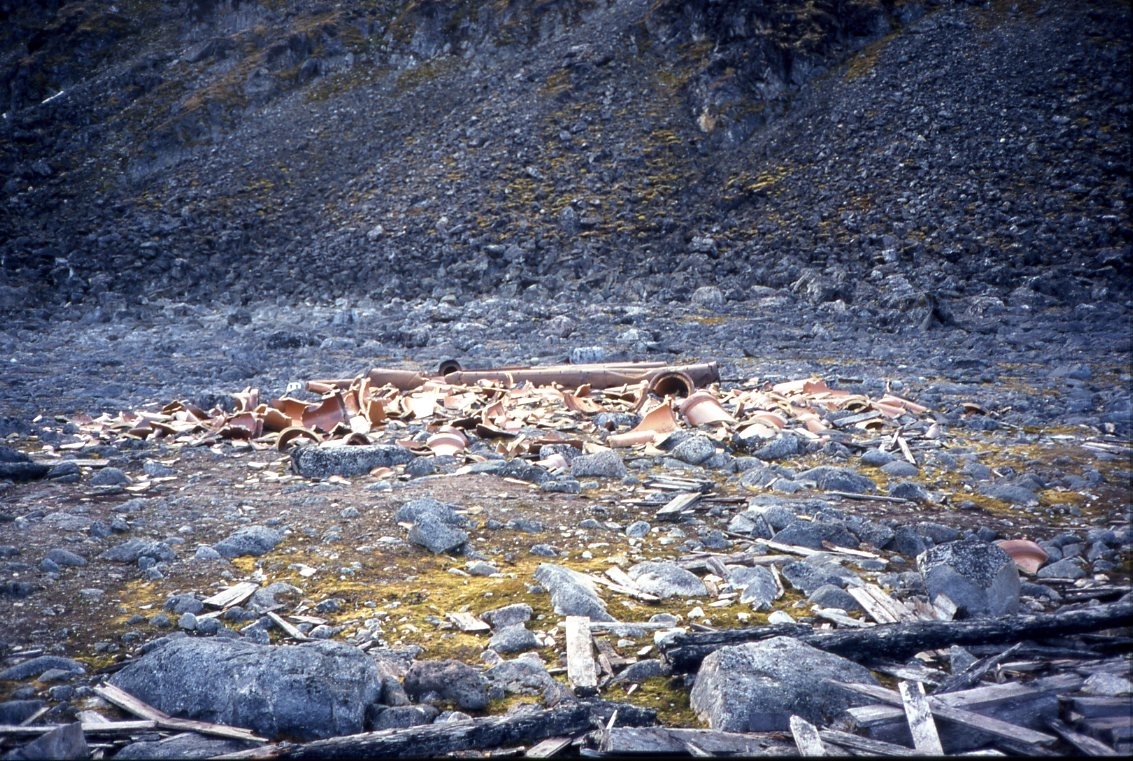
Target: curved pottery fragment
1028, 556
701, 408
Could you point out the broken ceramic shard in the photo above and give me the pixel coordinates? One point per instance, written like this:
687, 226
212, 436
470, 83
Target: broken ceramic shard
702, 408
1028, 556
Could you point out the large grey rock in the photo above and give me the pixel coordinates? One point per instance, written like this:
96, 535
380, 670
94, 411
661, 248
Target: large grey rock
666, 579
572, 594
758, 686
813, 533
133, 549
831, 478
323, 462
41, 664
186, 745
638, 672
447, 681
694, 450
782, 446
437, 536
817, 570
249, 540
18, 466
757, 585
604, 464
526, 675
1016, 495
65, 742
979, 577
63, 557
1066, 568
14, 712
515, 638
509, 615
305, 692
415, 510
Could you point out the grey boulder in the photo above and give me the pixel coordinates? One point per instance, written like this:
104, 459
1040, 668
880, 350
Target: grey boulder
250, 540
666, 579
758, 686
979, 577
447, 681
304, 692
436, 535
323, 462
572, 594
604, 464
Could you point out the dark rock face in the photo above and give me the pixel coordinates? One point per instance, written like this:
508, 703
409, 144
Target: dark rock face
306, 692
758, 686
447, 681
855, 152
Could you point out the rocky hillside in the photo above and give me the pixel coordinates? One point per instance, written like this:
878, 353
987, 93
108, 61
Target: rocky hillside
866, 154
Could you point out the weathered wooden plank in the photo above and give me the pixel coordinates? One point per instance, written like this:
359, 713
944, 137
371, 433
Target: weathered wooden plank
806, 737
913, 671
582, 671
672, 509
548, 747
865, 745
899, 610
618, 576
839, 617
1084, 743
630, 591
131, 704
436, 740
919, 715
973, 673
654, 741
793, 549
467, 622
612, 661
234, 595
1092, 706
878, 612
984, 697
88, 727
289, 628
1013, 732
685, 651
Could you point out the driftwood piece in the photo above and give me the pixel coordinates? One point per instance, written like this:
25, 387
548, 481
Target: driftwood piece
131, 704
985, 724
88, 727
1088, 745
880, 607
653, 741
467, 622
582, 671
289, 628
865, 745
985, 697
921, 726
234, 595
672, 509
897, 641
1099, 706
975, 672
807, 739
549, 747
434, 740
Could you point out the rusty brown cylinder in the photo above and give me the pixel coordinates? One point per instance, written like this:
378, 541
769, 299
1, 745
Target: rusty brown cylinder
672, 383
